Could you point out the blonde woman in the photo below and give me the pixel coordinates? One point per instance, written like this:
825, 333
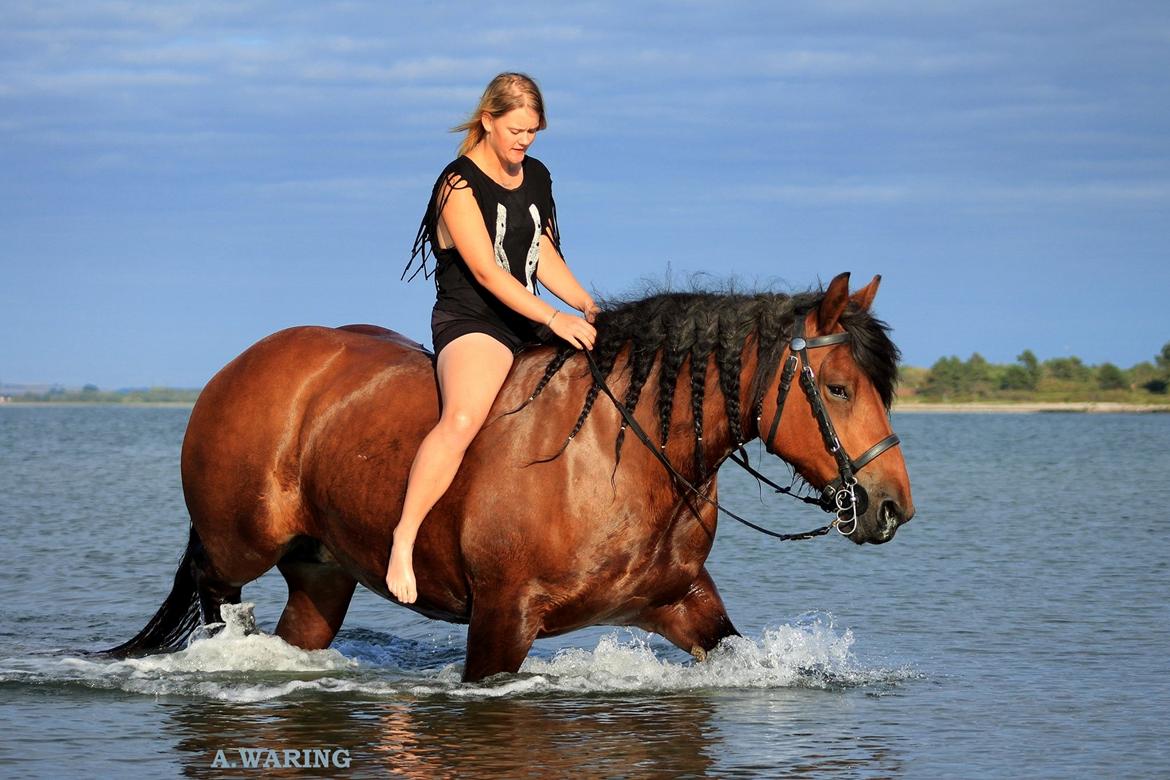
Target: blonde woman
491, 225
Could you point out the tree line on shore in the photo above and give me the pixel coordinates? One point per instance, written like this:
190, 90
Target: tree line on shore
91, 394
1056, 379
949, 379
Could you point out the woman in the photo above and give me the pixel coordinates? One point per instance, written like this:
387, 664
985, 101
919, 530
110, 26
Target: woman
491, 225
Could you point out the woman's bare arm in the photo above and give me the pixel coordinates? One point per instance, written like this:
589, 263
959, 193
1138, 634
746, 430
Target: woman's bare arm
554, 274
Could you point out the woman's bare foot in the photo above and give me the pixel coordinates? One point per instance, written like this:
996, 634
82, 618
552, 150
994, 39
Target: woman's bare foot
400, 574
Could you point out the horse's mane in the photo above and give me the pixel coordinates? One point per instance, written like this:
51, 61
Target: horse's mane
700, 322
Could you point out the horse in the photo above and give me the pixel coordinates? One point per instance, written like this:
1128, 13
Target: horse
297, 452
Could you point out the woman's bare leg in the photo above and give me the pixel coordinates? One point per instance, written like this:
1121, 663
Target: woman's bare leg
471, 370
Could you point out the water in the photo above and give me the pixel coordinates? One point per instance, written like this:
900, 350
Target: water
1017, 627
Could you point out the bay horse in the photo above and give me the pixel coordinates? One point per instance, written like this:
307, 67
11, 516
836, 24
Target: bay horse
297, 452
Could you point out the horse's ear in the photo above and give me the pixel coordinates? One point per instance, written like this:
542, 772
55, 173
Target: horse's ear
864, 297
833, 304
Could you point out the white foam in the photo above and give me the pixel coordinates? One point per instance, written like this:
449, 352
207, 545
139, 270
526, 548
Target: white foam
810, 654
234, 665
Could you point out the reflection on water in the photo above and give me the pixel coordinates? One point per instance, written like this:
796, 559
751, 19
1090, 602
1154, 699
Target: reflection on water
669, 736
430, 737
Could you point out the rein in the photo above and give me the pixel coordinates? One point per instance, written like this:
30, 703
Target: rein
844, 495
633, 425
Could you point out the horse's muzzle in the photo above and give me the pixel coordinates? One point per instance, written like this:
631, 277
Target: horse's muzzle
879, 524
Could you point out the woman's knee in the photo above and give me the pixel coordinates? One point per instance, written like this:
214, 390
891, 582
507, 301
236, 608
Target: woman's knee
459, 426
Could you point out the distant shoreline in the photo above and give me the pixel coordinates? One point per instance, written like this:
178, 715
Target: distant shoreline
42, 404
911, 407
1031, 407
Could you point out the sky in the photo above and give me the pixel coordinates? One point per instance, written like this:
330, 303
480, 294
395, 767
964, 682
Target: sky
180, 180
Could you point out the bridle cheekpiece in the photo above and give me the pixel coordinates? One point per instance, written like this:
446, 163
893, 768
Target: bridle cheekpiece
844, 495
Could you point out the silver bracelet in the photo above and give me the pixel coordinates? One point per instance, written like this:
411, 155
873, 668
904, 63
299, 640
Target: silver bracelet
550, 319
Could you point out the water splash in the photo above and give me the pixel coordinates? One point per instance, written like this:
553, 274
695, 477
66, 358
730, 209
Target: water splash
233, 661
229, 661
809, 654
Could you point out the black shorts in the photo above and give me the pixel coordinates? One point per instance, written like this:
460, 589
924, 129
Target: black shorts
447, 326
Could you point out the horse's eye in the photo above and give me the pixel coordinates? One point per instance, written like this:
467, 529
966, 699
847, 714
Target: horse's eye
838, 391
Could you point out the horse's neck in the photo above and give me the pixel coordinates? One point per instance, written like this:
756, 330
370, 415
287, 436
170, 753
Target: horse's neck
716, 431
716, 443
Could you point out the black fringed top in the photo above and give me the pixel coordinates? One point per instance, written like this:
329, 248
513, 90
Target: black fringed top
515, 220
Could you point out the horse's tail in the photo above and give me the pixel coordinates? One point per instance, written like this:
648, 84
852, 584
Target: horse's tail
179, 614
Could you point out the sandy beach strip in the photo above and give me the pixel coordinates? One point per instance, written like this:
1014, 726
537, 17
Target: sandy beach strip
75, 404
1075, 407
912, 407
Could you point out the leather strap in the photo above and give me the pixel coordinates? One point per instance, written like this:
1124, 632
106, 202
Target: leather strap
633, 425
874, 451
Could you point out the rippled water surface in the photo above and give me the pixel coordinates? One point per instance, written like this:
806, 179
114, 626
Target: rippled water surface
1017, 627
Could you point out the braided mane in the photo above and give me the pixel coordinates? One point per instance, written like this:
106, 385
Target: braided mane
699, 323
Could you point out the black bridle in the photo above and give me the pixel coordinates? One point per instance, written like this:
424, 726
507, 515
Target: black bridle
844, 496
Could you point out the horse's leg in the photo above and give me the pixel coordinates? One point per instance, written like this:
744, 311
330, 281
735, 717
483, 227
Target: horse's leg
696, 623
318, 597
213, 590
499, 635
246, 523
227, 561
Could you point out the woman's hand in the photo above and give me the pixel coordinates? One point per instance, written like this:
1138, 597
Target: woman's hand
590, 310
574, 330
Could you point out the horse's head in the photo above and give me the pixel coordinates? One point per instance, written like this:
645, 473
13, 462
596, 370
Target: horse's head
841, 366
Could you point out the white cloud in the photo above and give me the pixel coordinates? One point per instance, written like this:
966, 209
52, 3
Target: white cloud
960, 194
402, 71
363, 188
1072, 193
88, 82
536, 35
869, 57
825, 194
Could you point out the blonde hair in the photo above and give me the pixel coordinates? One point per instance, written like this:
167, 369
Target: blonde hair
506, 92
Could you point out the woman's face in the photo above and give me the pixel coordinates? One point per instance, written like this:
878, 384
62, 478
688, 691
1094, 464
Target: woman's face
510, 135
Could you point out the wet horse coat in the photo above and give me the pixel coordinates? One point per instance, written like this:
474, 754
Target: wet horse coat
297, 453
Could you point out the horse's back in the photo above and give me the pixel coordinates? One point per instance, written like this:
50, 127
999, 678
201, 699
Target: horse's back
312, 432
290, 359
393, 336
253, 422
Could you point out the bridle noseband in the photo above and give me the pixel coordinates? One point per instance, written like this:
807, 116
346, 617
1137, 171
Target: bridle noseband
844, 495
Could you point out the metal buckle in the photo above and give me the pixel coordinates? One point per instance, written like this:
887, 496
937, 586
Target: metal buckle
846, 500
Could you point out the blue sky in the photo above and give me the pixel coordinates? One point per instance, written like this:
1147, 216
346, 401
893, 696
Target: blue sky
181, 180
